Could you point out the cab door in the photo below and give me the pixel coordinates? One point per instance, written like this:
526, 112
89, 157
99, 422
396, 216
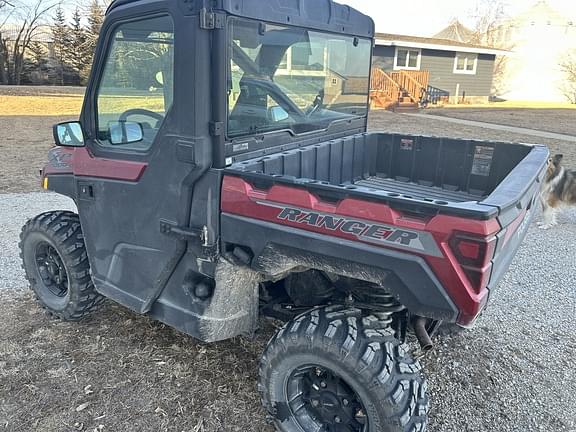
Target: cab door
136, 179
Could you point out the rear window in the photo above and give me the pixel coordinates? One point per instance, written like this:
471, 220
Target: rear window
295, 79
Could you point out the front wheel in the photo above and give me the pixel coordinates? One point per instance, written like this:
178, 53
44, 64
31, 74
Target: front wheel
336, 369
56, 265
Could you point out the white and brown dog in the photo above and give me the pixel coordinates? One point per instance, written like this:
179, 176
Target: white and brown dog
558, 190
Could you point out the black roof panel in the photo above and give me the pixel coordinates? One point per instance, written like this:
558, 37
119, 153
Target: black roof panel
324, 15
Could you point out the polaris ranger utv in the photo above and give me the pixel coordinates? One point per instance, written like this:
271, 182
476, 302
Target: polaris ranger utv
223, 171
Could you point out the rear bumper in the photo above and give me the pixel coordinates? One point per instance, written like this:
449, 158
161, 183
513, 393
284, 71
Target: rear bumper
279, 248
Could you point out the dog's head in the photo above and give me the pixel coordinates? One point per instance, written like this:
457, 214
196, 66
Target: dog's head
554, 166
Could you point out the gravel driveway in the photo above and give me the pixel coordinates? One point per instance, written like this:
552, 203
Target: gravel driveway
15, 210
513, 372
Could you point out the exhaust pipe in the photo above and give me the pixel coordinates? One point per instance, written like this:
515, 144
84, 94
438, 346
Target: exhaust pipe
422, 334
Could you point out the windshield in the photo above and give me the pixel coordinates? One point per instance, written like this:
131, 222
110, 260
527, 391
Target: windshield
295, 79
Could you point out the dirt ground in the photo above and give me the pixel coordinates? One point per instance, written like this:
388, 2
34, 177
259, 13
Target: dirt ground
123, 372
24, 142
561, 121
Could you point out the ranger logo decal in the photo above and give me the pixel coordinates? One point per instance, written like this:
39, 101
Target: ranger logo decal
366, 231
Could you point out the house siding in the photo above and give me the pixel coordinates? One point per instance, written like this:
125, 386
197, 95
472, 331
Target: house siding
441, 66
442, 76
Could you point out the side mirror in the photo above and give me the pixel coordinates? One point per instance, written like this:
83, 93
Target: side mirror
124, 132
68, 134
277, 114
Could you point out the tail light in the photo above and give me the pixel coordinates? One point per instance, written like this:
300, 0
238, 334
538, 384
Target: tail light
474, 254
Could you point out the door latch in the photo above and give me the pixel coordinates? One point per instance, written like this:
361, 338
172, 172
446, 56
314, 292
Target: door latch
184, 233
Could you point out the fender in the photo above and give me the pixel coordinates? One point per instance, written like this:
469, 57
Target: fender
58, 173
66, 164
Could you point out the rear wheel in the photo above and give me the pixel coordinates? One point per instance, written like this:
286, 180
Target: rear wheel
56, 265
336, 369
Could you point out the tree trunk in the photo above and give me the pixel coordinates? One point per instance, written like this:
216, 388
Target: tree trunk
3, 61
18, 67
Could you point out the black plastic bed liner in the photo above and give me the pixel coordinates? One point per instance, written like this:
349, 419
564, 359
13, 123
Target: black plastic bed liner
420, 174
415, 190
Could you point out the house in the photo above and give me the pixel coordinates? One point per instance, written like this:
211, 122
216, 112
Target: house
541, 38
458, 32
445, 69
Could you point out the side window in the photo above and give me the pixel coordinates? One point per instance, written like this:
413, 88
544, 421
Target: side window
466, 63
136, 88
407, 59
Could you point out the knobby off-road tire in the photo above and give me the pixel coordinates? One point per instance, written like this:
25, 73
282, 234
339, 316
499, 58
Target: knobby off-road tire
361, 355
56, 265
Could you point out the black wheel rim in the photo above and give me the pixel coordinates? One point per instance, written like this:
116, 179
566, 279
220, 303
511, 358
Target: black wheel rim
322, 401
51, 269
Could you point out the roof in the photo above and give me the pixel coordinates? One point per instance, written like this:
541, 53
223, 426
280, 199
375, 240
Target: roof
457, 32
386, 39
542, 13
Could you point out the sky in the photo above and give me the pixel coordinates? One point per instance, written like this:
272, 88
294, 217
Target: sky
427, 17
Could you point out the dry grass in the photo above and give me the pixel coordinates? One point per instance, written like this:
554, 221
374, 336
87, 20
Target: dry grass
24, 144
53, 105
124, 372
70, 105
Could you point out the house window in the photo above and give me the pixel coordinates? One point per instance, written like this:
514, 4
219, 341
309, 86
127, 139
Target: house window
407, 59
466, 63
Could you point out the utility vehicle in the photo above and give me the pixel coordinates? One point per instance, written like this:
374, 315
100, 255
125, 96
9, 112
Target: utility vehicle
223, 171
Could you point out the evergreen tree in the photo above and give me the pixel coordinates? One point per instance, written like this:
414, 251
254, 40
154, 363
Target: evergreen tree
62, 38
81, 58
95, 20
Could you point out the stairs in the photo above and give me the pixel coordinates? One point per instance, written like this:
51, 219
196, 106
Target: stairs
406, 104
399, 91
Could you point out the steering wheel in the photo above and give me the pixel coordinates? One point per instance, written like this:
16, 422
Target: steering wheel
143, 112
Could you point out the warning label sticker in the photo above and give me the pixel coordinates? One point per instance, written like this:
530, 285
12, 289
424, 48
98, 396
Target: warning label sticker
483, 156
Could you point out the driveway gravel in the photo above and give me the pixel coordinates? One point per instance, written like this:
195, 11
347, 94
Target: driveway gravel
15, 210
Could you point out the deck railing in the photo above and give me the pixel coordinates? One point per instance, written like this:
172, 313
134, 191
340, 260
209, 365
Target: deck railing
383, 89
390, 88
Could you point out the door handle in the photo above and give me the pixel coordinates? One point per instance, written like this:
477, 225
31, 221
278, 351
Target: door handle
85, 191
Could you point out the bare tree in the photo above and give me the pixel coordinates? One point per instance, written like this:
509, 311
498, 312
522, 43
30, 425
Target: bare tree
568, 66
4, 5
488, 16
491, 29
29, 17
